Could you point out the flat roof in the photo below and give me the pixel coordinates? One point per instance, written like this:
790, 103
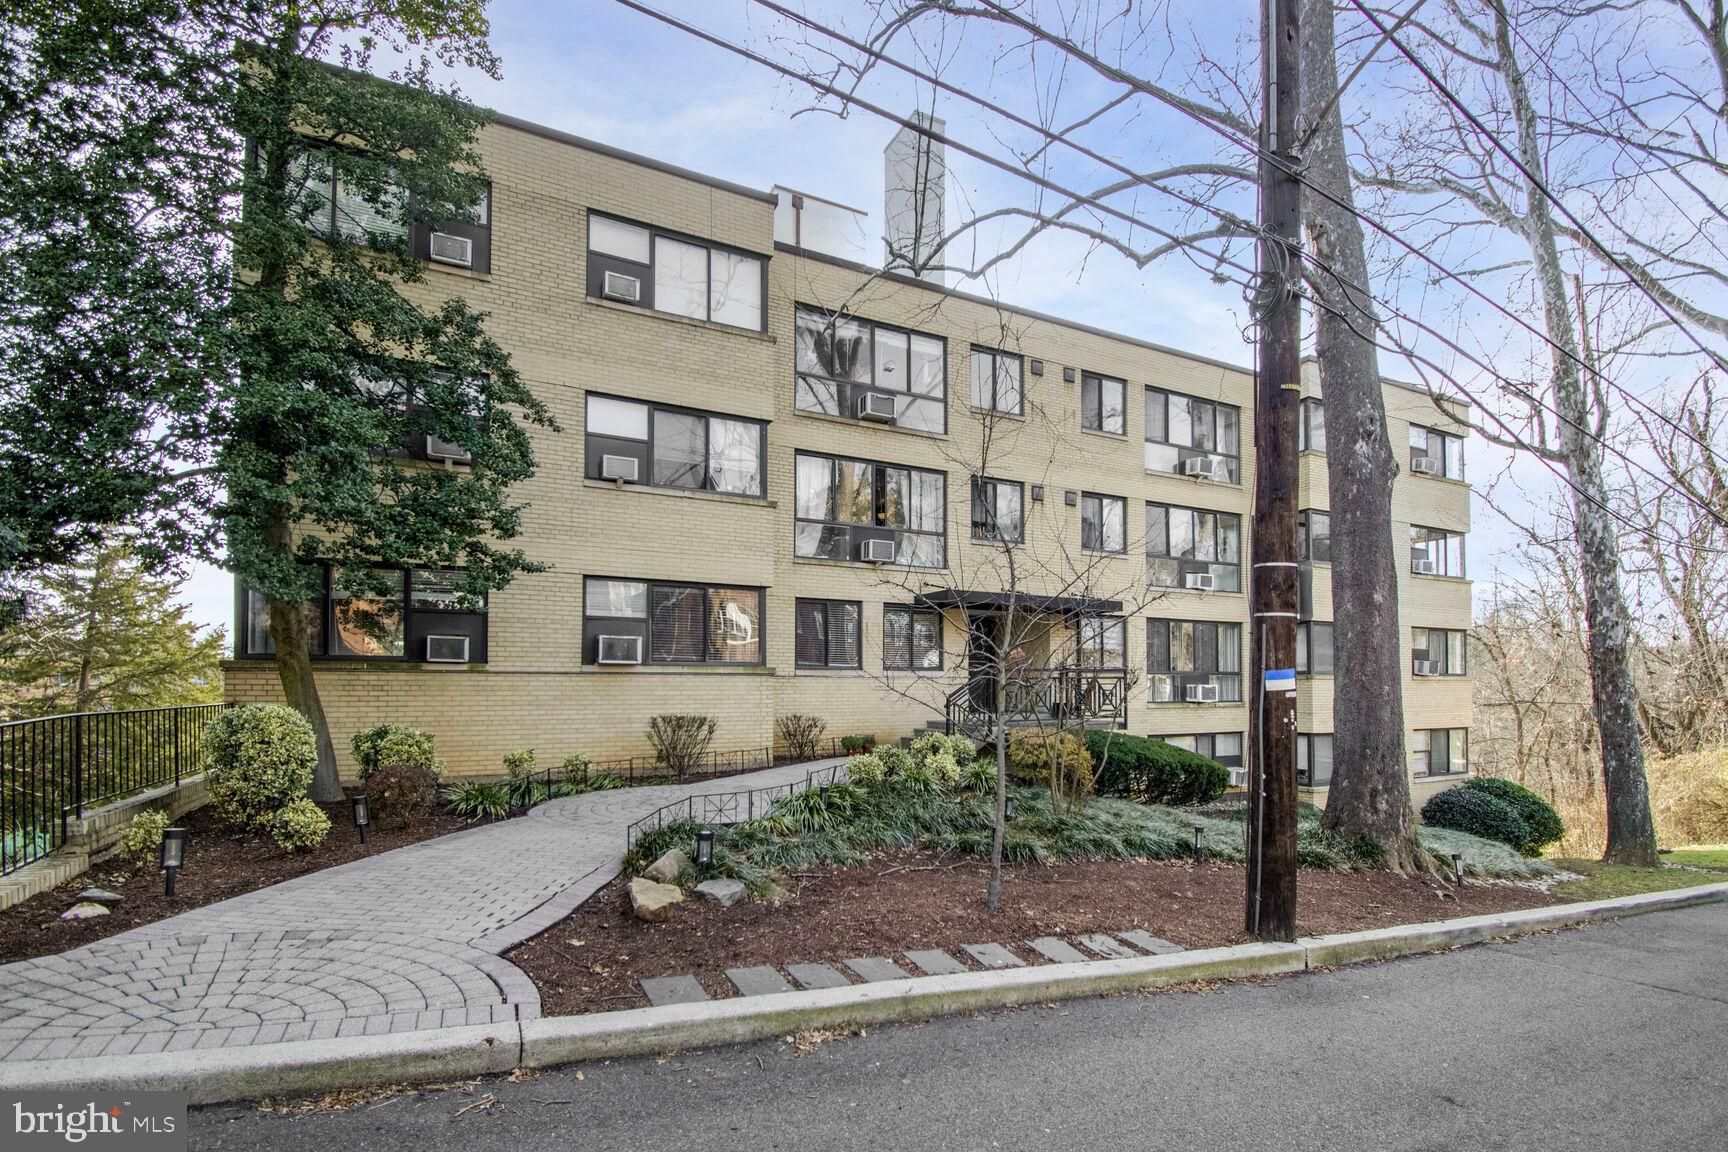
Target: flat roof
571, 138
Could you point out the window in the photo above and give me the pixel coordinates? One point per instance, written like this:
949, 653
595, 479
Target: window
1437, 652
256, 629
1220, 747
678, 275
1440, 751
1313, 759
998, 510
841, 361
1311, 430
676, 447
1192, 654
1102, 642
1436, 552
1181, 428
1436, 453
1314, 536
828, 633
911, 639
1314, 647
385, 217
996, 381
386, 615
1188, 542
1103, 523
844, 506
676, 623
1103, 404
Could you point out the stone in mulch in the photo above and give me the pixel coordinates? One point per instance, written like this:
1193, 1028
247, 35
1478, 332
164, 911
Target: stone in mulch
669, 867
653, 901
723, 892
818, 976
758, 981
1057, 950
84, 910
935, 962
877, 968
1108, 946
673, 990
994, 956
1156, 945
101, 896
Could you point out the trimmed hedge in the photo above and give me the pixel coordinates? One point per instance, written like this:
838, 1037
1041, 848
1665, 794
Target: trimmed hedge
1545, 824
260, 759
1152, 771
1478, 813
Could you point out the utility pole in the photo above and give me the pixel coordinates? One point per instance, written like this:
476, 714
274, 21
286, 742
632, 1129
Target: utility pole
1270, 912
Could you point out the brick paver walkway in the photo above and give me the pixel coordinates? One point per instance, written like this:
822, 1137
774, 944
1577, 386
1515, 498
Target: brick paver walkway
404, 940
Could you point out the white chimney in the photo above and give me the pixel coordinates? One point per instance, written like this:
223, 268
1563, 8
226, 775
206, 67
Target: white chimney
914, 177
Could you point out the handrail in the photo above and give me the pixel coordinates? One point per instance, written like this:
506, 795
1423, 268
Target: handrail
1041, 696
724, 807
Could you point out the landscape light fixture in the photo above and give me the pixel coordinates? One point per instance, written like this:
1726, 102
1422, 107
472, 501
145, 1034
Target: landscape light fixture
1458, 868
173, 856
1199, 844
362, 817
705, 848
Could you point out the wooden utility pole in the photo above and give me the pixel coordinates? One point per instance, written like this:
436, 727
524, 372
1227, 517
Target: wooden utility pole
1270, 912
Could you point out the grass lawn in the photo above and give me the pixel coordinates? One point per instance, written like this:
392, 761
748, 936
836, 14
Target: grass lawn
1603, 881
1704, 856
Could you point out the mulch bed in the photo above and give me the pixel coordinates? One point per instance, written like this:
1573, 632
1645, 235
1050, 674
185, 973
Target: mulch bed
220, 863
592, 960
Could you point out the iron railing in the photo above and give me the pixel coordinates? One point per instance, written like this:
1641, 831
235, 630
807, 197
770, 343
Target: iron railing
729, 807
55, 767
1039, 696
712, 765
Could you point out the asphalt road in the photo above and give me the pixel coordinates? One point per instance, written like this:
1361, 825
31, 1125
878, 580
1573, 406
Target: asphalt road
1607, 1037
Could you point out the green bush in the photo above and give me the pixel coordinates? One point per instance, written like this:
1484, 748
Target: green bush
866, 769
260, 759
141, 841
521, 785
1054, 758
800, 733
960, 748
401, 795
1544, 823
388, 744
895, 759
854, 745
478, 800
978, 776
575, 769
1478, 813
680, 740
1153, 772
298, 826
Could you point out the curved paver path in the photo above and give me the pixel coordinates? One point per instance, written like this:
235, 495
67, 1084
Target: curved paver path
404, 940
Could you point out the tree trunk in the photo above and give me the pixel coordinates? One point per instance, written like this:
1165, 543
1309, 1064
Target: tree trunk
299, 687
1631, 833
1370, 792
993, 892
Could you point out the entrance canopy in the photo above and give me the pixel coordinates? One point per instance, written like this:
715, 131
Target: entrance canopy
999, 601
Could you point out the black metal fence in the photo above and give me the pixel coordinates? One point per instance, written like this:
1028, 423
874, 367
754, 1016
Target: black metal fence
650, 769
55, 767
730, 807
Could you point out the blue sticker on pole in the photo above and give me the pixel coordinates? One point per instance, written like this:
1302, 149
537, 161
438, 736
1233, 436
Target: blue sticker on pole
1280, 679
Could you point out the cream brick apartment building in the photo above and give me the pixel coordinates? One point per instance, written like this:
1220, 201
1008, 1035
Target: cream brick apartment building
746, 422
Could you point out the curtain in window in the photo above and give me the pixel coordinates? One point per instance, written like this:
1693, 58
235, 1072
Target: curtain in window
734, 456
734, 625
678, 625
680, 449
815, 497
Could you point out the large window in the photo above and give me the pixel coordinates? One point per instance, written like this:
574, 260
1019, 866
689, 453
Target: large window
1220, 747
1314, 759
1311, 433
911, 639
383, 614
828, 633
998, 510
674, 447
383, 218
878, 513
633, 264
1185, 545
1102, 642
1314, 647
670, 623
1314, 536
1440, 751
866, 371
1193, 661
996, 381
1180, 428
1436, 552
1437, 652
1436, 453
1103, 523
1103, 404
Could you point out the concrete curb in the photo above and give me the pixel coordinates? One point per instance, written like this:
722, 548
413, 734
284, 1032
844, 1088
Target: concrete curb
219, 1075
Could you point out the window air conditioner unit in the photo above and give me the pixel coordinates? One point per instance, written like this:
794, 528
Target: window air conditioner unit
437, 449
620, 649
1423, 566
1200, 467
1238, 777
876, 551
1426, 465
448, 249
1425, 667
446, 649
1199, 581
878, 406
619, 468
617, 286
1201, 694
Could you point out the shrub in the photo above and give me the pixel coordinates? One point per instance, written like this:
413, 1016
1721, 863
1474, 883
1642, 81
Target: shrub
920, 777
1538, 815
853, 745
141, 841
387, 744
680, 740
478, 800
1153, 772
944, 768
401, 795
521, 787
866, 769
575, 769
1054, 758
261, 758
895, 759
978, 776
800, 733
299, 825
1478, 813
935, 744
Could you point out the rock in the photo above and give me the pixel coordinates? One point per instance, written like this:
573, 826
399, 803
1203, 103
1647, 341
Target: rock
723, 892
101, 896
649, 900
84, 910
668, 868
